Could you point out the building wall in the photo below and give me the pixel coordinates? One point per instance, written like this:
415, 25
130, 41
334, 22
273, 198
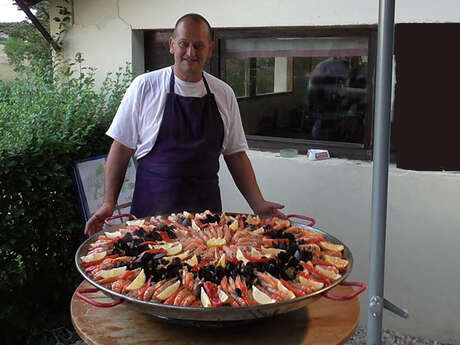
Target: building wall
422, 273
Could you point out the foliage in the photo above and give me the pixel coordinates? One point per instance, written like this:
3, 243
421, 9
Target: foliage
50, 117
26, 44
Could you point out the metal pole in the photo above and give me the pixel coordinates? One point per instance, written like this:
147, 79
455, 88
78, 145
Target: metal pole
380, 170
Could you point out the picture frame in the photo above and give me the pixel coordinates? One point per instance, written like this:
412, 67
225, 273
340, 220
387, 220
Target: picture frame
89, 182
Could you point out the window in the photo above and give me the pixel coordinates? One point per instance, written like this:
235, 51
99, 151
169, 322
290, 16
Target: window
301, 89
297, 87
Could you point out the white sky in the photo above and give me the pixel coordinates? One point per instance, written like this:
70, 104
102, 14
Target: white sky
9, 12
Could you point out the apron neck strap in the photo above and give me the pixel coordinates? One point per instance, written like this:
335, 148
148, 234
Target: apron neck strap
172, 80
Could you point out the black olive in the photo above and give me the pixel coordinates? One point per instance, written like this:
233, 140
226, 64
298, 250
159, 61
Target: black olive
301, 242
267, 227
187, 222
229, 266
139, 233
229, 223
201, 273
290, 273
127, 238
220, 271
171, 234
176, 262
237, 292
282, 245
289, 236
239, 266
163, 227
283, 257
198, 290
306, 255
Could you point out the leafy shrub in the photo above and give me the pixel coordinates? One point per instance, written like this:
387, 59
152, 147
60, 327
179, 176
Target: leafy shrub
48, 120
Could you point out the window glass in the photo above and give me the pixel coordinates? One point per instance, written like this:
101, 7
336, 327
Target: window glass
305, 88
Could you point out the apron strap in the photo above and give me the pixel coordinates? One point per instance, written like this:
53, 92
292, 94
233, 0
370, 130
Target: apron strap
206, 85
172, 80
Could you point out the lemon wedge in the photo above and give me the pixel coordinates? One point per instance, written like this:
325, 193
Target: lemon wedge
271, 251
187, 214
240, 256
307, 282
285, 290
222, 296
221, 261
112, 235
168, 291
331, 246
234, 225
193, 261
216, 242
205, 301
138, 282
195, 227
93, 256
173, 250
261, 297
337, 262
328, 273
114, 272
138, 222
255, 253
259, 231
181, 256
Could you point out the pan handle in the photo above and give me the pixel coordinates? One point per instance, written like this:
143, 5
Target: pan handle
79, 293
106, 221
361, 286
311, 220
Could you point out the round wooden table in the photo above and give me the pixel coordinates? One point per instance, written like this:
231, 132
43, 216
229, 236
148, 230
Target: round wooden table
322, 322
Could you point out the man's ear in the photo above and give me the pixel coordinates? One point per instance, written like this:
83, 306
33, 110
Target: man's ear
171, 45
211, 49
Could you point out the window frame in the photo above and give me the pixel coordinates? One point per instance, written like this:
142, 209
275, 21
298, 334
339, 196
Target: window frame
337, 149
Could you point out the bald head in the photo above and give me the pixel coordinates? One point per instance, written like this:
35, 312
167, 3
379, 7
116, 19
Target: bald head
194, 17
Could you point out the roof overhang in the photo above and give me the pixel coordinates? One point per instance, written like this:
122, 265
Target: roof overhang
25, 5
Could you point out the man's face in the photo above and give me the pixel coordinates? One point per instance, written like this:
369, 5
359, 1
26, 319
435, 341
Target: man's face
191, 48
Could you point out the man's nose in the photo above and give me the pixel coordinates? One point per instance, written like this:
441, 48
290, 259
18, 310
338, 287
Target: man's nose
191, 50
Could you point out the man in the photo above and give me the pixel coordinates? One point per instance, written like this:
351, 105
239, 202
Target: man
178, 121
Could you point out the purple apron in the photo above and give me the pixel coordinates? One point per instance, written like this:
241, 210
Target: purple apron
180, 172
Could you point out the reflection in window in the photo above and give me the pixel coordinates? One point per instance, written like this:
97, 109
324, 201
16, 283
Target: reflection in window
312, 88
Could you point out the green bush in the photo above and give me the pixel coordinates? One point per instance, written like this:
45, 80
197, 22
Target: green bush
48, 120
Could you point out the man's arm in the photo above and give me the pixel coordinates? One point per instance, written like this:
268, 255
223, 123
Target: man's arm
241, 170
114, 175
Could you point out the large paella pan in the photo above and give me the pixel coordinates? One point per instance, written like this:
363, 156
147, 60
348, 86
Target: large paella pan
214, 267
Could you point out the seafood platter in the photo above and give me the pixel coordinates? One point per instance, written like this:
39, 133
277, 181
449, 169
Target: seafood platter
207, 267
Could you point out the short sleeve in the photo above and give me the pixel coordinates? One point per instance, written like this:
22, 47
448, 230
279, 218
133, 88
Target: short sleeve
124, 127
235, 139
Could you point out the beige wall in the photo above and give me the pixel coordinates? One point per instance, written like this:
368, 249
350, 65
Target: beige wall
102, 28
422, 271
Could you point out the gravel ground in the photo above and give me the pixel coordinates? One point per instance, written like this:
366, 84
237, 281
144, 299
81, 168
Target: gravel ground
359, 338
391, 338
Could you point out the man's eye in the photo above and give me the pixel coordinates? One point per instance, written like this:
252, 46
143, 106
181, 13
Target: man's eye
183, 44
198, 46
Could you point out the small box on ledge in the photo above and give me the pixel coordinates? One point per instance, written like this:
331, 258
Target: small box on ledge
316, 154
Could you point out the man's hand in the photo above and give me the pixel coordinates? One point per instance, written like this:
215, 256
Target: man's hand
268, 208
96, 222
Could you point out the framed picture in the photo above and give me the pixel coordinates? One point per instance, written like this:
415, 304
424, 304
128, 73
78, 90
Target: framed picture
89, 180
